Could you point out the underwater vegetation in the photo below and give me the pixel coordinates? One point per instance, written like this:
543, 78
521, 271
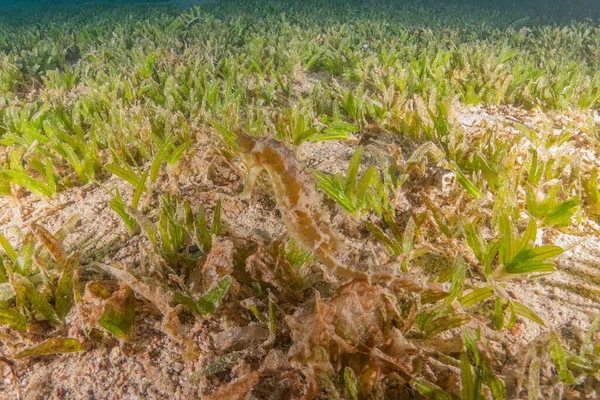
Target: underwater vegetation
400, 230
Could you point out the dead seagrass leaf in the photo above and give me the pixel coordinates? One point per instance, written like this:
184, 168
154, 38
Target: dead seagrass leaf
219, 262
310, 350
278, 379
267, 265
220, 364
50, 243
92, 302
260, 267
119, 314
356, 326
161, 300
175, 329
445, 323
153, 293
238, 389
359, 315
241, 337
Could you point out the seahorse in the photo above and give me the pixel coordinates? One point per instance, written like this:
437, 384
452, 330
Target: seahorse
298, 203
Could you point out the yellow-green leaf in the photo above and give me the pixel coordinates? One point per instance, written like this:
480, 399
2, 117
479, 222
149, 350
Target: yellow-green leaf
526, 312
429, 390
208, 303
51, 346
8, 249
476, 296
64, 290
119, 314
15, 319
38, 302
442, 324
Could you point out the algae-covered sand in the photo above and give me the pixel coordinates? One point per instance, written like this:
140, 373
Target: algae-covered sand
452, 144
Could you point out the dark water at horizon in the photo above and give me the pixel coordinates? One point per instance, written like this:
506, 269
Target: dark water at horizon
546, 10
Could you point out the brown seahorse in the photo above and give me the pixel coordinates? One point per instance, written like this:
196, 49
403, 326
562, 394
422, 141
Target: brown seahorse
297, 200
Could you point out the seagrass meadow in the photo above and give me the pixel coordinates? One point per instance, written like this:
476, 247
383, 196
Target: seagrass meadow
301, 199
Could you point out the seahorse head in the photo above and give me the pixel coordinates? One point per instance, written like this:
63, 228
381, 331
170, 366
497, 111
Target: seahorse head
244, 142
